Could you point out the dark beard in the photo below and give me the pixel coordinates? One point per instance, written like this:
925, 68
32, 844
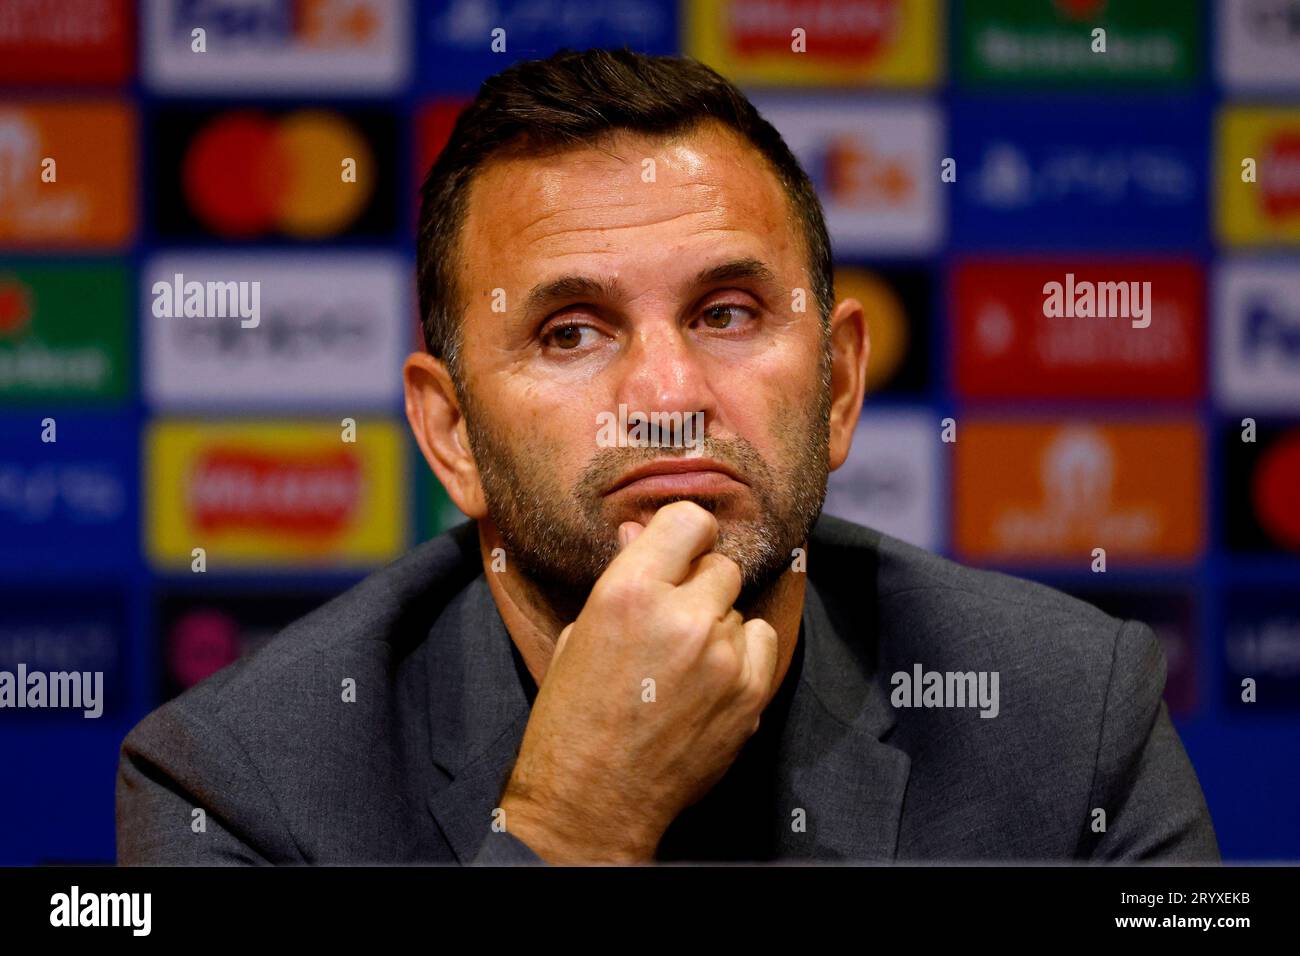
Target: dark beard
563, 539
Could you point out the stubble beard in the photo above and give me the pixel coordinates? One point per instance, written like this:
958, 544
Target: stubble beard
563, 539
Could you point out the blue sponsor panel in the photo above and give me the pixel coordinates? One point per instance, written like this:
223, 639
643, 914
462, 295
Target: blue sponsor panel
63, 654
67, 504
1261, 650
58, 640
462, 42
1079, 173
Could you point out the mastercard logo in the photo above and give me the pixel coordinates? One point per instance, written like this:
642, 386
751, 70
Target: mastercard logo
886, 322
1274, 488
247, 174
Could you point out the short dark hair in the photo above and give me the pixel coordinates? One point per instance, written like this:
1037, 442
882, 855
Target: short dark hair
568, 100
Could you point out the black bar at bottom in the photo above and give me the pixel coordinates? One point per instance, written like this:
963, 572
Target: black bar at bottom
548, 904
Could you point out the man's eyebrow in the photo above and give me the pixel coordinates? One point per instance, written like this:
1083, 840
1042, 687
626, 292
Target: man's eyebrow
736, 270
581, 287
569, 287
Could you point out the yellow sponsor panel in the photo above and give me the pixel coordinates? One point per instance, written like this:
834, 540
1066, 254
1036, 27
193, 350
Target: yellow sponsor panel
817, 42
272, 493
1258, 174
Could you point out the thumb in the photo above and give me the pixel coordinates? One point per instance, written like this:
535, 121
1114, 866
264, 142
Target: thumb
628, 532
760, 641
560, 642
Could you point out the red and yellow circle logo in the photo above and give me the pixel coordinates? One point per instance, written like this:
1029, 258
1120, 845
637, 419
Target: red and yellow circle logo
246, 174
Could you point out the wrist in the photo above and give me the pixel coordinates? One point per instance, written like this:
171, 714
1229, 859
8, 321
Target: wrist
562, 836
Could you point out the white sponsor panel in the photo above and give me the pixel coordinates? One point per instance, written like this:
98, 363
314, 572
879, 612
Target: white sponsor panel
274, 46
332, 331
1257, 335
1258, 43
876, 169
890, 481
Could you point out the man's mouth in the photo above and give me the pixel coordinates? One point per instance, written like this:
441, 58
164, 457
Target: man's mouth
678, 476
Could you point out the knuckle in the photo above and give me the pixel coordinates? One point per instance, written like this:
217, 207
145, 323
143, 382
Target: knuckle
679, 624
722, 662
754, 696
730, 570
617, 591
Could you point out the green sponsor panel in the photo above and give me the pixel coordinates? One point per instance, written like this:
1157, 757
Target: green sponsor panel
1037, 42
63, 332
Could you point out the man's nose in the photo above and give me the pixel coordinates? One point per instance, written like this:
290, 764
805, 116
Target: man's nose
663, 371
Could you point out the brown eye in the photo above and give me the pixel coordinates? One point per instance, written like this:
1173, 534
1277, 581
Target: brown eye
720, 316
567, 336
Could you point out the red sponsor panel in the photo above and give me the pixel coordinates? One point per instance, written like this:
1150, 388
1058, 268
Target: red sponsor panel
1280, 188
434, 122
433, 125
66, 42
234, 488
864, 29
1058, 328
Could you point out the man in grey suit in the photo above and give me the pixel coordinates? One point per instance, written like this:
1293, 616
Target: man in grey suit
648, 645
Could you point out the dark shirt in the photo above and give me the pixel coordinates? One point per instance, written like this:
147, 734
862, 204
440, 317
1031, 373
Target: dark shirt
735, 820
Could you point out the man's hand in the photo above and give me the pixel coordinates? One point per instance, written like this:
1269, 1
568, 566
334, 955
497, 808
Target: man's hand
603, 770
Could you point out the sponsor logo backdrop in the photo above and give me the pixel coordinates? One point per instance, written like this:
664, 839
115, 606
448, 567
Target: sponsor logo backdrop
968, 154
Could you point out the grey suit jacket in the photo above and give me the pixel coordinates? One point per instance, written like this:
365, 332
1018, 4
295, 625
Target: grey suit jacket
286, 771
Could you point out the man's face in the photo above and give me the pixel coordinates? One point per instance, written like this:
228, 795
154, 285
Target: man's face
636, 228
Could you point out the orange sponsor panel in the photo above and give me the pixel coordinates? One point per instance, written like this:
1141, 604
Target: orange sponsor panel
1032, 492
66, 174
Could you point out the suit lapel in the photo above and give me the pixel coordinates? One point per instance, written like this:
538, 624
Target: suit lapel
832, 762
478, 710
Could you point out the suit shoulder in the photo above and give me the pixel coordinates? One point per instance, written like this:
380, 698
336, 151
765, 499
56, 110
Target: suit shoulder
926, 604
379, 619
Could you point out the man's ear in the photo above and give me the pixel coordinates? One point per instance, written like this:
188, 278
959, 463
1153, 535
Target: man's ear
438, 424
850, 349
